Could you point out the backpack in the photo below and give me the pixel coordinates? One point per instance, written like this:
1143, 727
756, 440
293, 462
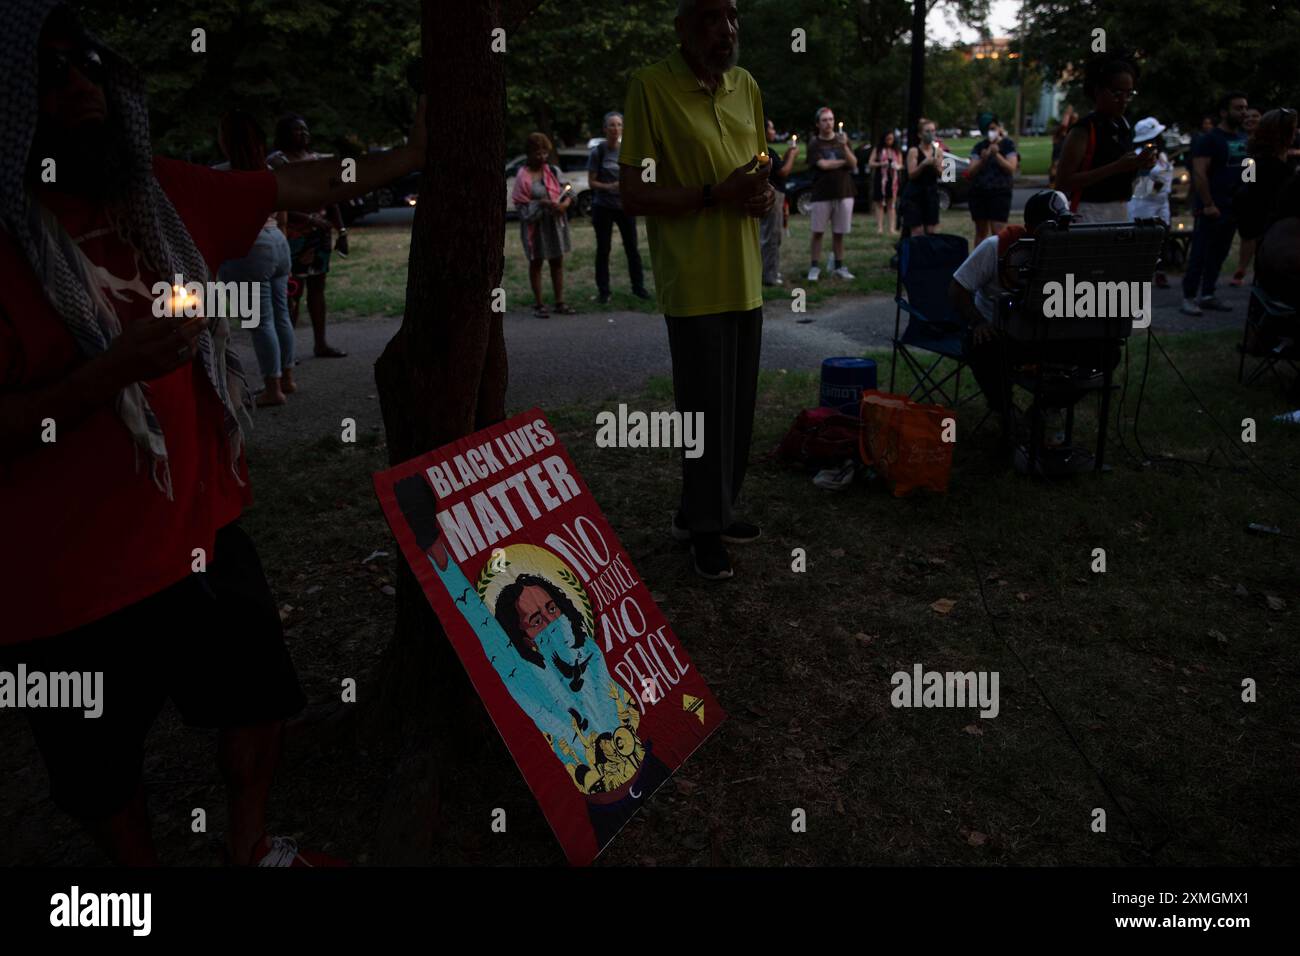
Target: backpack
820, 437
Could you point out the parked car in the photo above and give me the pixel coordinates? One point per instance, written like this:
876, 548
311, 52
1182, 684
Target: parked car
400, 192
572, 161
799, 186
358, 208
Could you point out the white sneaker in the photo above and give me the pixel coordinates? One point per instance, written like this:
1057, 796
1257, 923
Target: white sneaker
837, 479
1190, 307
814, 274
843, 273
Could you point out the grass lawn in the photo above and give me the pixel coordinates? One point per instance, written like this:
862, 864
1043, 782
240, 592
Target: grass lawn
1145, 661
1035, 155
372, 280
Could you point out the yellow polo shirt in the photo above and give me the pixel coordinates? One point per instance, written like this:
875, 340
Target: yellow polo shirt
706, 261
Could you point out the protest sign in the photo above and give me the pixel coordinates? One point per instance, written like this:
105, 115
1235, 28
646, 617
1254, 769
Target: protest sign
595, 697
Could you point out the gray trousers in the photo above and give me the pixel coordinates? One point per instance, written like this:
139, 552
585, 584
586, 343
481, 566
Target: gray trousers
770, 228
715, 371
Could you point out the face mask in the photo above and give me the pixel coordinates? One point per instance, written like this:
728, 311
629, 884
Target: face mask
927, 136
993, 135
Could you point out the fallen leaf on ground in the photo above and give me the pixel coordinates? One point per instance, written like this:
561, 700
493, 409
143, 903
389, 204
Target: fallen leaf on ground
866, 639
837, 552
943, 606
1218, 636
685, 786
1023, 596
1275, 603
976, 838
389, 590
975, 730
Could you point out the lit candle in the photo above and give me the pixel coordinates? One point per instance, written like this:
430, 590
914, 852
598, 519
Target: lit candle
841, 126
762, 158
181, 300
794, 139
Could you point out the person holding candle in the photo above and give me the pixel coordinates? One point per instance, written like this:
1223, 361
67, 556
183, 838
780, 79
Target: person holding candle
886, 162
833, 164
543, 201
122, 549
772, 226
920, 202
992, 170
690, 165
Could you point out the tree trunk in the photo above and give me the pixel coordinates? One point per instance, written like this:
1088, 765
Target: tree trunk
441, 377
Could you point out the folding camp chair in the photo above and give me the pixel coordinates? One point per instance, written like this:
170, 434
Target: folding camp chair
925, 268
1270, 336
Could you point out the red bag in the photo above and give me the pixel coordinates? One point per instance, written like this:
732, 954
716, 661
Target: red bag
903, 441
822, 437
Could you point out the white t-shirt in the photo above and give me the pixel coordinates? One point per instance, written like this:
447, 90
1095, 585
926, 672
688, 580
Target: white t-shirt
979, 276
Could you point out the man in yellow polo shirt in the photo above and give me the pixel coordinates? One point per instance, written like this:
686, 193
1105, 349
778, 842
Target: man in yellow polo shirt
692, 137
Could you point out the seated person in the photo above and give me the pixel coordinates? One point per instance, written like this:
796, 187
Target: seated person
983, 278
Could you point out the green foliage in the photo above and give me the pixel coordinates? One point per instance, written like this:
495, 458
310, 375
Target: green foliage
1189, 53
568, 65
340, 63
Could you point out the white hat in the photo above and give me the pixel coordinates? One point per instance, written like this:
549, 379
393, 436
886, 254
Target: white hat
1148, 128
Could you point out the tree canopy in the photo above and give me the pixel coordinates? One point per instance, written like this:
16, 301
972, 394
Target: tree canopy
1189, 53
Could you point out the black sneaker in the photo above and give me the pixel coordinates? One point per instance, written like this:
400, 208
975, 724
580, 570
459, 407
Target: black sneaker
738, 532
641, 294
1212, 304
710, 556
603, 298
741, 532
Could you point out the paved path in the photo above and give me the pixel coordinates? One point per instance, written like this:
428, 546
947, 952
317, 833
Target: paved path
605, 354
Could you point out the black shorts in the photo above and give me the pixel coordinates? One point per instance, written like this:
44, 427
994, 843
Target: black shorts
994, 206
919, 206
211, 643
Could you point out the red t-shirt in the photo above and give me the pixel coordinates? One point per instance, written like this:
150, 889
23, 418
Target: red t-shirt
84, 533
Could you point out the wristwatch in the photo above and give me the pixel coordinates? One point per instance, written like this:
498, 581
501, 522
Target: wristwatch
708, 195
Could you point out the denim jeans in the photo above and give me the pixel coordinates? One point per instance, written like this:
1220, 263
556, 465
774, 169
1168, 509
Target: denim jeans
267, 264
1211, 242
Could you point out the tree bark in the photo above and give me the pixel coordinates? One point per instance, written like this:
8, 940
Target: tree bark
441, 377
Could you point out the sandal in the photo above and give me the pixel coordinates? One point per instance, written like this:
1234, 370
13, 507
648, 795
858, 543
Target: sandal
539, 311
1237, 278
330, 351
562, 309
